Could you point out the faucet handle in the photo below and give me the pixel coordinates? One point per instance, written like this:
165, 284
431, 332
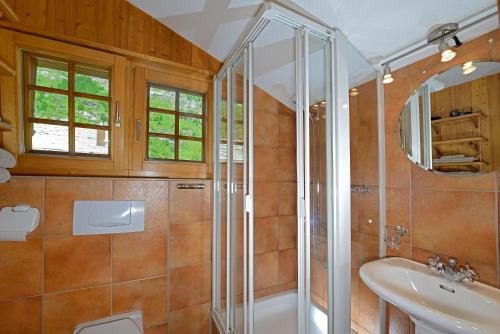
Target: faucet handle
469, 273
432, 261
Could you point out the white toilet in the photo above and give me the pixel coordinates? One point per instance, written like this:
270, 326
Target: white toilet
127, 323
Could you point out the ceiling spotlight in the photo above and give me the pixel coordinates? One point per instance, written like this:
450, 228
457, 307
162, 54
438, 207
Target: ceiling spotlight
388, 78
354, 92
447, 53
468, 68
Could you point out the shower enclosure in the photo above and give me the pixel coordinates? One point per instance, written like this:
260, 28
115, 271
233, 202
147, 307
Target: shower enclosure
287, 67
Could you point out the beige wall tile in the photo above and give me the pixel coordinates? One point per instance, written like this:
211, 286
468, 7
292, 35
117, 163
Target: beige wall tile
190, 244
77, 262
190, 320
139, 255
62, 312
21, 268
190, 286
22, 316
149, 296
265, 234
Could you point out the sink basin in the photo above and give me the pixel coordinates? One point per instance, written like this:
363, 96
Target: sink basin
434, 304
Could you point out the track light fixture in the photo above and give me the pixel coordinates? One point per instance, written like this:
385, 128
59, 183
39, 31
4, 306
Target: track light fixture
447, 53
468, 68
387, 78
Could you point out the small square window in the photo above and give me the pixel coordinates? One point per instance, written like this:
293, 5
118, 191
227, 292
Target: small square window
67, 107
176, 124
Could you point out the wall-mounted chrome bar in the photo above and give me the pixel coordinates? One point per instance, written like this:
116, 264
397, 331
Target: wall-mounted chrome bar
185, 186
360, 189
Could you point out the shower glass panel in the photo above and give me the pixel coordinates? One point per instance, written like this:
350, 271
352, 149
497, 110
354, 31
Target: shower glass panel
320, 106
276, 110
239, 187
220, 267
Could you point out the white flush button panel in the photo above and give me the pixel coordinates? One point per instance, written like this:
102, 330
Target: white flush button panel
105, 217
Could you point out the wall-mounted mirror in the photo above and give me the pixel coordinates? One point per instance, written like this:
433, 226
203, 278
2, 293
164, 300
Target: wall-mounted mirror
451, 122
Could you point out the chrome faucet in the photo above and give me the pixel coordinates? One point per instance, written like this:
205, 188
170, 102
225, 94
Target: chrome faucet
450, 270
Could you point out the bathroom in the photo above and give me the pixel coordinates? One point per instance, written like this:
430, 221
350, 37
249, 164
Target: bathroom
231, 166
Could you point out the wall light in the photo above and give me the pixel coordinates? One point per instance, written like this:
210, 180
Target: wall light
354, 92
468, 68
447, 53
388, 78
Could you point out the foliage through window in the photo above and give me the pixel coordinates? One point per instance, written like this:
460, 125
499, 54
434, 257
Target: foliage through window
67, 107
176, 124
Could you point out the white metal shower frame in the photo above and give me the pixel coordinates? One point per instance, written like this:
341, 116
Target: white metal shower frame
338, 175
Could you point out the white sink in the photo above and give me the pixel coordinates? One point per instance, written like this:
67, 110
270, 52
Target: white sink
434, 304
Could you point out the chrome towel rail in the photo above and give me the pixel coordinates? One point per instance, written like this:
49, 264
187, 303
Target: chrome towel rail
190, 186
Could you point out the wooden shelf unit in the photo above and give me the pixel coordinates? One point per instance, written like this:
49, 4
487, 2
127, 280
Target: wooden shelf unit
459, 140
472, 163
473, 117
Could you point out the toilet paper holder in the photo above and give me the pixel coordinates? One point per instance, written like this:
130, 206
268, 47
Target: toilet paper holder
17, 222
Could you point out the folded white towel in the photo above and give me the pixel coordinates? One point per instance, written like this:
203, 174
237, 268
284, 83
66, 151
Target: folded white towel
4, 175
7, 160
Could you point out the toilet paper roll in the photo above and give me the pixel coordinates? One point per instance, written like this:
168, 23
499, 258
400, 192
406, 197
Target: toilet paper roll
7, 160
12, 236
4, 175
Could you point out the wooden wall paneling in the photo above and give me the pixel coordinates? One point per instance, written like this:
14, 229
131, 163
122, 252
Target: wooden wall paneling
135, 29
7, 11
32, 12
154, 39
121, 25
165, 41
106, 23
111, 23
479, 95
8, 94
87, 19
494, 104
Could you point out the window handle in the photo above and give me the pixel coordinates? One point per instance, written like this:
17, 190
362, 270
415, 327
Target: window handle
138, 126
118, 116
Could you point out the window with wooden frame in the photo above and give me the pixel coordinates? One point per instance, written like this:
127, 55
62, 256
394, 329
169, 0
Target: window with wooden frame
176, 124
67, 107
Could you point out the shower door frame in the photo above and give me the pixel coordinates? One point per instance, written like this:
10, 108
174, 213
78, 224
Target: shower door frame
338, 180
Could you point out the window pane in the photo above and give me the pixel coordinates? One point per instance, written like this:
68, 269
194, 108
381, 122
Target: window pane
161, 123
49, 73
49, 105
191, 103
91, 141
238, 112
89, 111
90, 80
190, 150
191, 127
161, 98
239, 132
46, 137
161, 148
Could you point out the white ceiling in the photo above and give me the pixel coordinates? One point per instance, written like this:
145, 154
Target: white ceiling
377, 30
